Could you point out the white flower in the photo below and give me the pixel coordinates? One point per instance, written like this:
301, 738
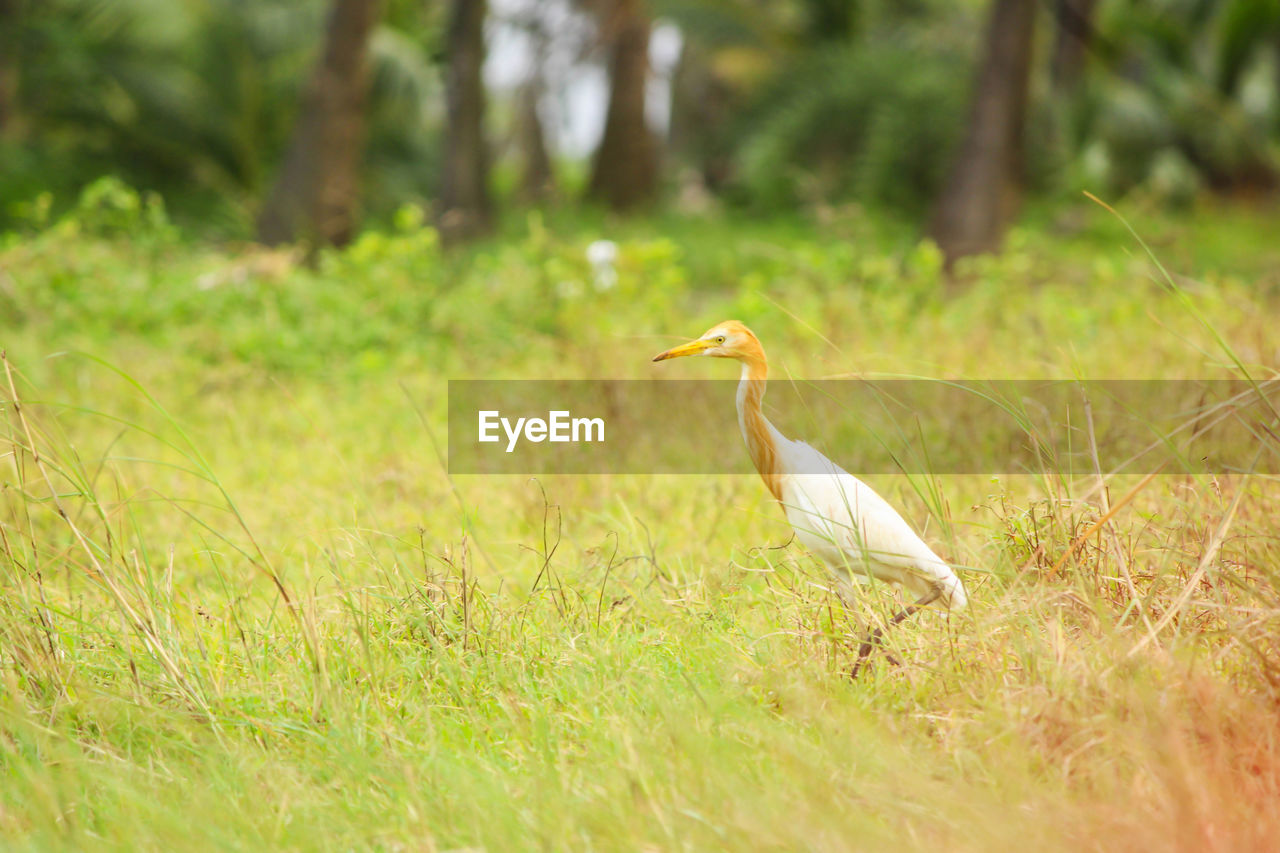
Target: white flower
602, 255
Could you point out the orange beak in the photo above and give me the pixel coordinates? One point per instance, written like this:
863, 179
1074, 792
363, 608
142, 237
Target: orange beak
691, 348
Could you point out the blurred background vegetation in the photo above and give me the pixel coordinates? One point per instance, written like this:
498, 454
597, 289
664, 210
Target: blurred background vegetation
299, 120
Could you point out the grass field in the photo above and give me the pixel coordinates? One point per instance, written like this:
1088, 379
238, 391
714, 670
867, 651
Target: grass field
245, 607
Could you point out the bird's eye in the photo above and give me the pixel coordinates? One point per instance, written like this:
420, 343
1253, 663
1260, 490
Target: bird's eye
720, 339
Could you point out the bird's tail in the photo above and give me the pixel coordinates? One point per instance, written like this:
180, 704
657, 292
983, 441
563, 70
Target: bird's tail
951, 592
938, 588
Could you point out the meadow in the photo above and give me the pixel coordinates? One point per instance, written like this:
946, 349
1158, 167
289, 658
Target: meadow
246, 607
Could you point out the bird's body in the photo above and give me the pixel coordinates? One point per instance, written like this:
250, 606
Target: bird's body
839, 518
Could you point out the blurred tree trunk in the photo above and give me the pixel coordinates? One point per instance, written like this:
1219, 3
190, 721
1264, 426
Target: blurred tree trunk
701, 113
833, 20
8, 68
983, 189
1072, 39
625, 171
537, 176
316, 193
537, 179
465, 208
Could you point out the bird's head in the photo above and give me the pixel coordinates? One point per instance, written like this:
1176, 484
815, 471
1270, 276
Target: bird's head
729, 339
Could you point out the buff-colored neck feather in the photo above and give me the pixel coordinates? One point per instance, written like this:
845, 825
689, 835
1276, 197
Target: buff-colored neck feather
756, 429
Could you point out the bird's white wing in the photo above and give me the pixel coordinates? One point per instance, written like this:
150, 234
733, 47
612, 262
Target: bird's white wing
854, 530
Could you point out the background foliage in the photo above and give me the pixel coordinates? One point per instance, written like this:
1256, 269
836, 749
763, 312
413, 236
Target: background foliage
787, 104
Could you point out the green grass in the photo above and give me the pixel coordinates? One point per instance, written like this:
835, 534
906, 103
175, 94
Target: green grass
605, 662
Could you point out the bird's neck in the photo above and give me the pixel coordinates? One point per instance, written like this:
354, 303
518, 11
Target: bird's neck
759, 434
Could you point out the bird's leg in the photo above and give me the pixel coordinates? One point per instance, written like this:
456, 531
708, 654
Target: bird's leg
873, 639
844, 591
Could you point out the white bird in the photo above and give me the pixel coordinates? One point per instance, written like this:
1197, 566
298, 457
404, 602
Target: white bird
835, 515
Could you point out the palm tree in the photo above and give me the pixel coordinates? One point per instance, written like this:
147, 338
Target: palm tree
465, 208
9, 24
1072, 39
316, 193
985, 183
624, 173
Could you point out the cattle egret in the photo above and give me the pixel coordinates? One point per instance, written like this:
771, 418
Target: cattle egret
834, 514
